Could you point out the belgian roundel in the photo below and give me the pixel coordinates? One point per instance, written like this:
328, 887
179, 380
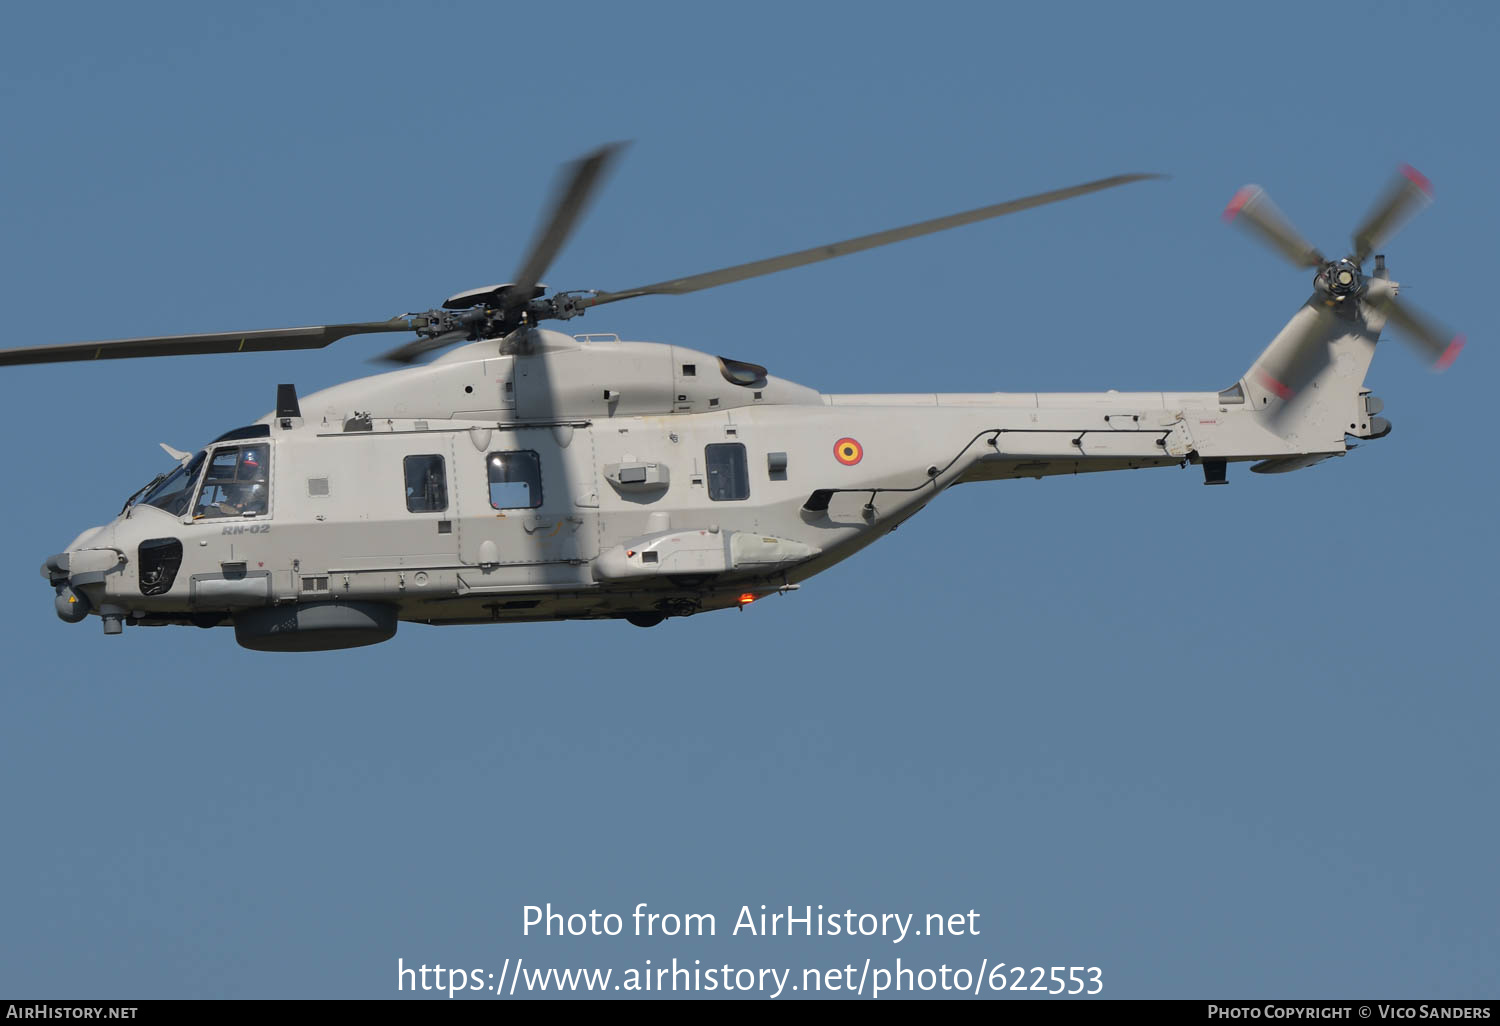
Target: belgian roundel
848, 452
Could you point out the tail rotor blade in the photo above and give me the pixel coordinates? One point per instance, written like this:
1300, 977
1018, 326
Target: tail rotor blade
1409, 192
1253, 209
1430, 338
1294, 359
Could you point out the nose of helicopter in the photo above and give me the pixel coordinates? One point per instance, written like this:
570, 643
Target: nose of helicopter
71, 604
77, 578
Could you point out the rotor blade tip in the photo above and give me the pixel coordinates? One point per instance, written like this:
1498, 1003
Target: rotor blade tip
1450, 354
1417, 178
1271, 384
1239, 201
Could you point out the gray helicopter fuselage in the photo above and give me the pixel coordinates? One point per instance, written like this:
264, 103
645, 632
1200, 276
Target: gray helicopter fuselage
531, 475
591, 478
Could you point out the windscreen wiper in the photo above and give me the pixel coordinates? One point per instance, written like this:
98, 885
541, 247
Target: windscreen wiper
142, 490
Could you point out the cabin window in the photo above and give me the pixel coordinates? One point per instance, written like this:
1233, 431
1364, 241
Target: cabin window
515, 479
237, 482
728, 472
426, 484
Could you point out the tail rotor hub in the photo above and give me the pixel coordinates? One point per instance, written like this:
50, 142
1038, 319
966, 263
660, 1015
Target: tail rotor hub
1341, 279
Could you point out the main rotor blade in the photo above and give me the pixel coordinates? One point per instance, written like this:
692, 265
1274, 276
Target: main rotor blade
1436, 343
1253, 209
314, 337
1409, 192
740, 272
575, 187
411, 352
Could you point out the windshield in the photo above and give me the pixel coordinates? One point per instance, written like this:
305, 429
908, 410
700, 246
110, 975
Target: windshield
174, 493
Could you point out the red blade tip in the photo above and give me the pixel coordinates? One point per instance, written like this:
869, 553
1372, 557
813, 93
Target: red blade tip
1450, 354
1417, 178
1282, 391
1237, 204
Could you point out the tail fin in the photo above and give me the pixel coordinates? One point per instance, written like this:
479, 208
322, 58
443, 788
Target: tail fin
1309, 382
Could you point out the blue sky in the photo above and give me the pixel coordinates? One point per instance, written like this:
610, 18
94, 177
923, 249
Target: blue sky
1232, 741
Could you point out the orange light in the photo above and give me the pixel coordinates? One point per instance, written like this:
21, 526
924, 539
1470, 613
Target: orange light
746, 599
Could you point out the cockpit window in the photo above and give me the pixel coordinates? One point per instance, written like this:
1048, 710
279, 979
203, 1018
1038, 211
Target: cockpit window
253, 431
174, 493
236, 483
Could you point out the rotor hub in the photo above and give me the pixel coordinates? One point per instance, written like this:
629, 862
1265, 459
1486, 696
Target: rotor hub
1340, 279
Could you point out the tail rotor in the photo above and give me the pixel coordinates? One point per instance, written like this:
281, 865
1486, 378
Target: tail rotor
1342, 286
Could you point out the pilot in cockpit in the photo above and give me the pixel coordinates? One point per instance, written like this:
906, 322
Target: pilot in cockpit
240, 491
247, 497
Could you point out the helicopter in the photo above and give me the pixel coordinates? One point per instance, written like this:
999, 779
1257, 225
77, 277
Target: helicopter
526, 474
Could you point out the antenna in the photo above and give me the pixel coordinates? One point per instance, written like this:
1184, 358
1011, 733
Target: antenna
286, 403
